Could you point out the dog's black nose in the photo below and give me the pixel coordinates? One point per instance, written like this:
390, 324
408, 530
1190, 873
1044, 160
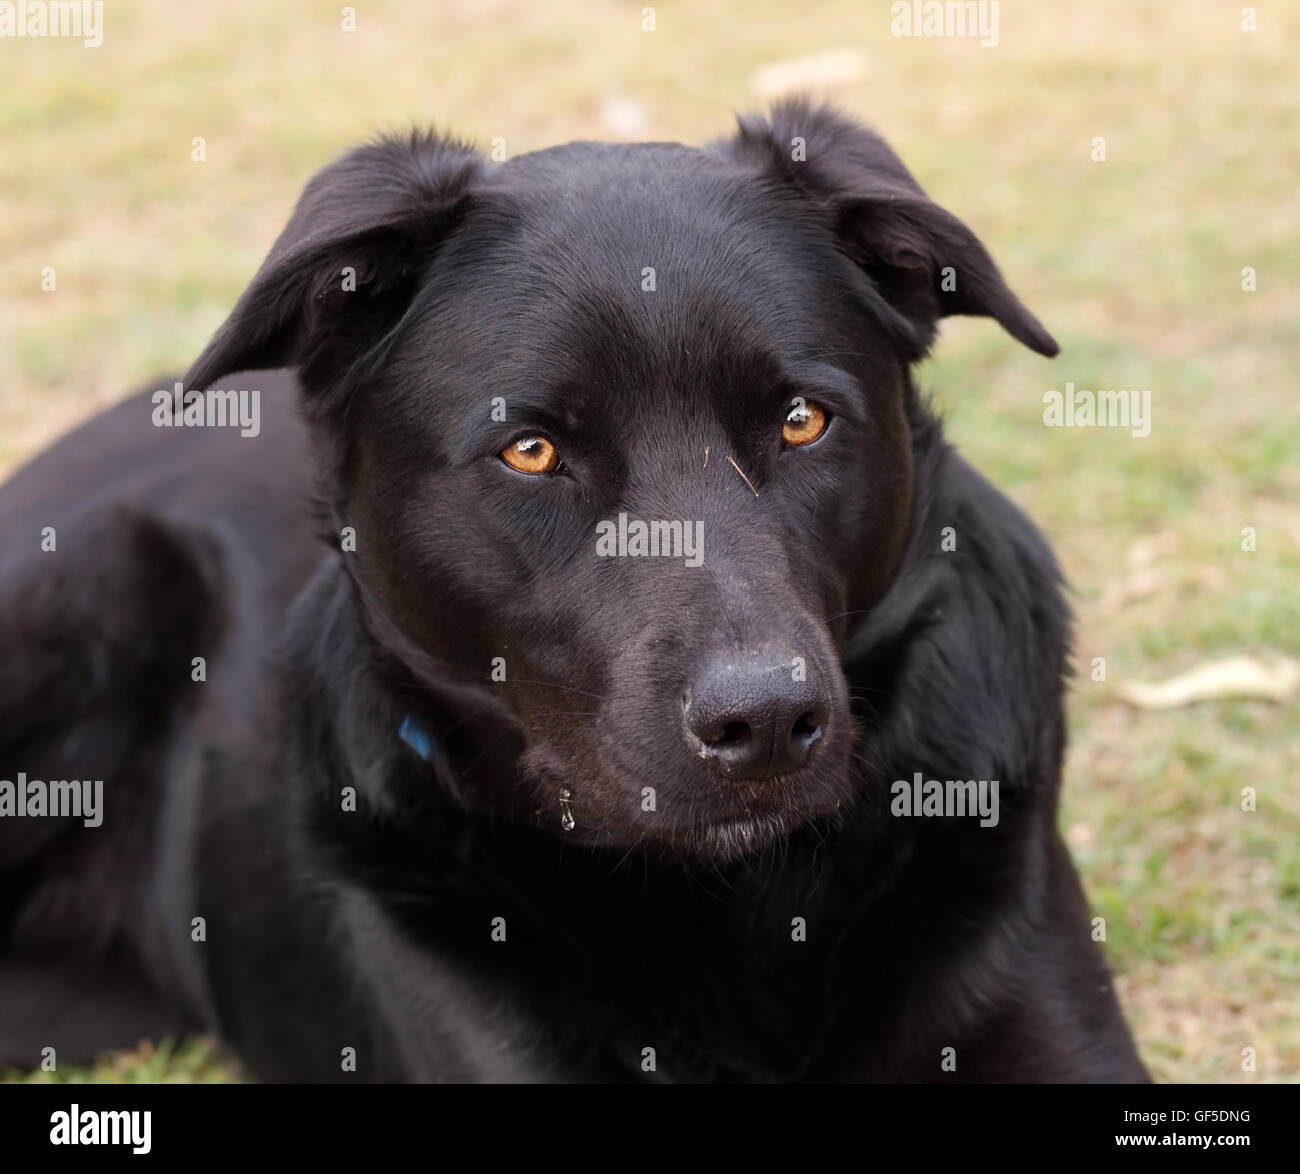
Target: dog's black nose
754, 720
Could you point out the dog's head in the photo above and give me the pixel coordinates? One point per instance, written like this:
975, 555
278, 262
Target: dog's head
622, 433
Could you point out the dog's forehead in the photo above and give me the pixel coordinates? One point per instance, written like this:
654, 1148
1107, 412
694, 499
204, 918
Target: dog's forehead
661, 227
648, 265
585, 173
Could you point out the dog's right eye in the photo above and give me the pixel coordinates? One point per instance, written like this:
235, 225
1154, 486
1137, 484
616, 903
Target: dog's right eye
532, 454
804, 423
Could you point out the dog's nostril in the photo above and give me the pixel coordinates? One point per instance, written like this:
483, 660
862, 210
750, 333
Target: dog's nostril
732, 736
806, 729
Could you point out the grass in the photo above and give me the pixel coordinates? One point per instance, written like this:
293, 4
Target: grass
1134, 263
193, 1061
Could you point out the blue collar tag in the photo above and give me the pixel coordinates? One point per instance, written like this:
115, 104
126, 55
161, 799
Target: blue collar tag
416, 737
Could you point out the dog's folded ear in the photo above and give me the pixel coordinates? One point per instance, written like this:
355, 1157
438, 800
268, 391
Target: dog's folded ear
923, 262
347, 265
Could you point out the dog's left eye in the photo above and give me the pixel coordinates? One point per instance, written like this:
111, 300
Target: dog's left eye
532, 454
804, 423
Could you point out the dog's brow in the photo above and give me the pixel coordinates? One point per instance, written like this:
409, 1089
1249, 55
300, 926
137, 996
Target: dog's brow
818, 377
818, 371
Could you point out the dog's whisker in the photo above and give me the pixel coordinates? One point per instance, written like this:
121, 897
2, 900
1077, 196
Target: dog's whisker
561, 685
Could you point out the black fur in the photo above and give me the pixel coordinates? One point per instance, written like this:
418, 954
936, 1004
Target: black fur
329, 928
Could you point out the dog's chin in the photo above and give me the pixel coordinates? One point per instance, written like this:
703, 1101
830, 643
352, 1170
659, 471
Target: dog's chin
715, 841
730, 840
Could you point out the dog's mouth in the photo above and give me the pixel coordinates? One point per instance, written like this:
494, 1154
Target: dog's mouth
688, 816
714, 839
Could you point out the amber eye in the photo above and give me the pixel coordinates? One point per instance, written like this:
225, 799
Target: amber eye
803, 423
532, 454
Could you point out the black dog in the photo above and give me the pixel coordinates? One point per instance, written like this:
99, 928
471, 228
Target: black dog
669, 702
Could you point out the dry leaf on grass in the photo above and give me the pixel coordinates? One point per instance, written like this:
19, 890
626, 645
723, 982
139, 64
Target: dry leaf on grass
1138, 586
1154, 580
835, 68
1238, 676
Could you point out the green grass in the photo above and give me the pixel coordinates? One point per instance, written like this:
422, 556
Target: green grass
193, 1061
1134, 263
